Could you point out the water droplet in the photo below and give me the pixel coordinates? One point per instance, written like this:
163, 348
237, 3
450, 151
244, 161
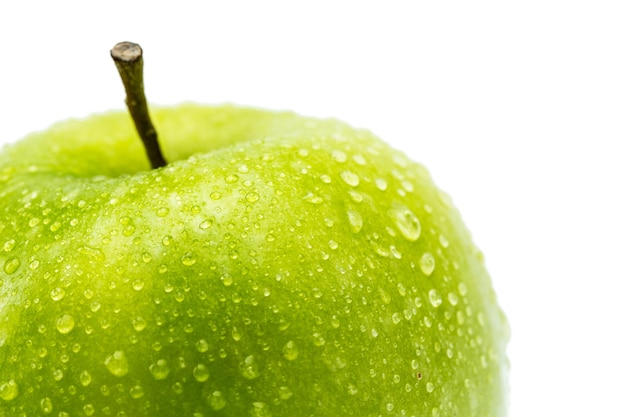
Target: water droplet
231, 178
201, 372
65, 324
427, 263
11, 265
435, 298
318, 339
9, 390
381, 183
359, 159
290, 351
339, 156
453, 298
136, 391
9, 245
430, 387
443, 241
57, 374
260, 409
202, 346
252, 197
160, 370
57, 294
46, 405
117, 363
350, 178
355, 220
215, 195
85, 378
139, 323
138, 284
407, 222
162, 211
462, 289
89, 409
325, 178
216, 400
284, 393
207, 223
189, 259
313, 198
227, 279
249, 368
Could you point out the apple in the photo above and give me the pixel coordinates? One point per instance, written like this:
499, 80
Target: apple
277, 265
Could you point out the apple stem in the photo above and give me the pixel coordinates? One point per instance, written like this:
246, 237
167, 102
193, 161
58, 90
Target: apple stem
128, 59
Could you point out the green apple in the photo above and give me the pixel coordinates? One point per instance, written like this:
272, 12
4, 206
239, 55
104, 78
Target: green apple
278, 265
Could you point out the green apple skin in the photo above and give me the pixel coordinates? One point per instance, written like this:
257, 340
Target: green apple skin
279, 266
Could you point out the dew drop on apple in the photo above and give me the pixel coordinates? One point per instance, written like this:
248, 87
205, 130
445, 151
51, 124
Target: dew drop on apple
249, 368
355, 220
350, 178
430, 387
160, 370
252, 197
435, 298
453, 298
57, 294
313, 198
260, 409
139, 323
89, 410
9, 390
407, 222
117, 363
427, 263
189, 259
339, 156
9, 245
11, 265
136, 391
290, 351
381, 184
216, 400
231, 178
46, 405
65, 324
206, 223
85, 378
138, 284
202, 346
200, 372
162, 211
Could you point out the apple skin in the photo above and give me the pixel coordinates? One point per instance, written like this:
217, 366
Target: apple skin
279, 266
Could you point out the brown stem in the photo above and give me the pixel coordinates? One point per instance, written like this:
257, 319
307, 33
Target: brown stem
129, 62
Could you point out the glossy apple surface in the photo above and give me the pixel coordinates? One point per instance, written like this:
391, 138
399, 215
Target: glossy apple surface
278, 266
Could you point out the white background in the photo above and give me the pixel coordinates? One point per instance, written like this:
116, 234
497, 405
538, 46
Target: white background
518, 108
